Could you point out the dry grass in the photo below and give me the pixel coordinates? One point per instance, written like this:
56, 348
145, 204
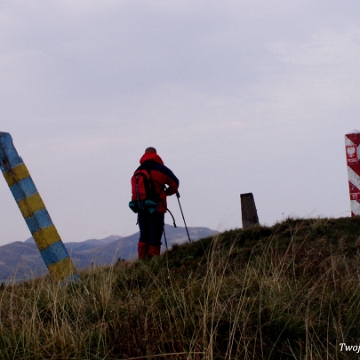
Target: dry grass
286, 292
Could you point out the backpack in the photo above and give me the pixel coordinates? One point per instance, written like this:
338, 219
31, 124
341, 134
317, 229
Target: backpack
143, 194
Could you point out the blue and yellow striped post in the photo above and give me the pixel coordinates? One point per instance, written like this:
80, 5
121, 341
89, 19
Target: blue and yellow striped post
38, 220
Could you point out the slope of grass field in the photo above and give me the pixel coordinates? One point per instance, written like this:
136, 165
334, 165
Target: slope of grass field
290, 291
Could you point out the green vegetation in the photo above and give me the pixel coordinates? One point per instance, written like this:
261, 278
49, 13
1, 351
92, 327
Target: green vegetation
290, 291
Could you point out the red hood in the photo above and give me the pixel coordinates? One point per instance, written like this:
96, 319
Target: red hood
151, 156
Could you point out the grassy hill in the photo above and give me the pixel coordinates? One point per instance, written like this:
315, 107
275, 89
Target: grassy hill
290, 291
21, 261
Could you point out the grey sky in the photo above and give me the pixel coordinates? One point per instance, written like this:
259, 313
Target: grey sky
237, 96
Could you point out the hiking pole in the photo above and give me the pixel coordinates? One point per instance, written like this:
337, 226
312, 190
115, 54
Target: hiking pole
172, 217
182, 214
166, 245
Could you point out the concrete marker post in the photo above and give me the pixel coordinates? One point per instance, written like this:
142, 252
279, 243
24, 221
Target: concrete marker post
248, 209
37, 218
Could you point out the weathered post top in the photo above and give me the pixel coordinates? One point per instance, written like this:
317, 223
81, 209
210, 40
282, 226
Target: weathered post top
8, 152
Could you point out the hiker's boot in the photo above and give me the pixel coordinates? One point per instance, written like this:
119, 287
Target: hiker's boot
142, 250
154, 250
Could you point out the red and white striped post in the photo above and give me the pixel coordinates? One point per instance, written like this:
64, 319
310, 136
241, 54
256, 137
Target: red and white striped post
352, 144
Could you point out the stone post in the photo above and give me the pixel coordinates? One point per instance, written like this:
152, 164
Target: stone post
248, 209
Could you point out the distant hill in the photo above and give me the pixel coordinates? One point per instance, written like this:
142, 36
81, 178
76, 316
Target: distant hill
126, 248
22, 260
85, 245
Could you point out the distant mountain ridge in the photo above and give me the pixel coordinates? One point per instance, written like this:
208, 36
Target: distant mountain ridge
85, 245
22, 260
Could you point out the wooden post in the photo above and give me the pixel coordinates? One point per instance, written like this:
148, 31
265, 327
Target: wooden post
248, 209
47, 239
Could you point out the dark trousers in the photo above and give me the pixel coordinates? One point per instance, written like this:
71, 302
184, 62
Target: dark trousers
151, 228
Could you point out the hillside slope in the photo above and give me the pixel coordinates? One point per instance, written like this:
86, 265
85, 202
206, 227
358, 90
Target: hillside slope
22, 260
290, 291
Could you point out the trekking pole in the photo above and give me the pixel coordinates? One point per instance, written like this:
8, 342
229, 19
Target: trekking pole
182, 214
172, 217
166, 245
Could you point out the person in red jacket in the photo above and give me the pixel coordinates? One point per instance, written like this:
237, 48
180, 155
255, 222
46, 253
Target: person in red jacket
151, 224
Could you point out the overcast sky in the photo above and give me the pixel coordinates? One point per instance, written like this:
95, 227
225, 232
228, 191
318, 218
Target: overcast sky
237, 96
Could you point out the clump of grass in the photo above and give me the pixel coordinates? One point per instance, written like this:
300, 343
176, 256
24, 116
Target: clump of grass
290, 291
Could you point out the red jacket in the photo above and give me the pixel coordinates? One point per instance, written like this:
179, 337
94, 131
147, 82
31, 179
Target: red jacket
161, 176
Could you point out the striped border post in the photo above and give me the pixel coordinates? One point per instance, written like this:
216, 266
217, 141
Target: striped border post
352, 142
47, 239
